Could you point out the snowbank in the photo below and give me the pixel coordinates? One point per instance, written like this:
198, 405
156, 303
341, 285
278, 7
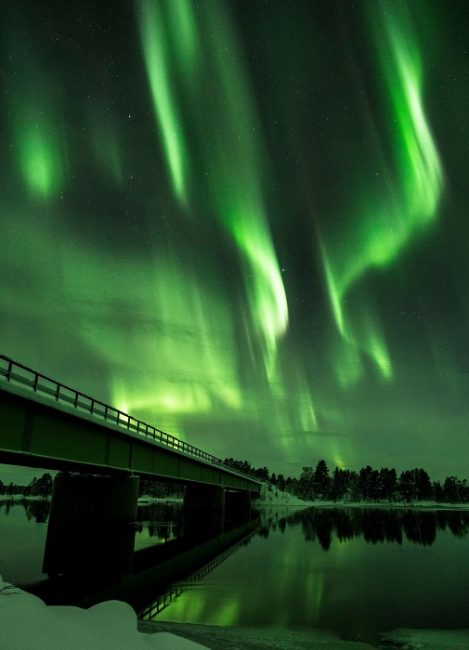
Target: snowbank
413, 505
428, 639
27, 623
275, 497
146, 500
236, 638
21, 497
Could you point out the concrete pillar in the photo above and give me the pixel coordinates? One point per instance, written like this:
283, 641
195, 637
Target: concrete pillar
90, 530
102, 499
204, 497
238, 507
204, 508
238, 500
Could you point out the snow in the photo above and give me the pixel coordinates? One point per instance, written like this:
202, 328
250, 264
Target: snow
238, 638
5, 498
259, 638
385, 505
429, 639
146, 500
27, 623
276, 497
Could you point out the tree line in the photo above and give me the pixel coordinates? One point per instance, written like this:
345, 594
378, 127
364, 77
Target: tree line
38, 487
367, 484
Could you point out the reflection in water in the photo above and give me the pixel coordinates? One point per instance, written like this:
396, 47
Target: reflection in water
164, 599
103, 551
279, 575
383, 569
36, 510
376, 525
97, 560
22, 538
158, 523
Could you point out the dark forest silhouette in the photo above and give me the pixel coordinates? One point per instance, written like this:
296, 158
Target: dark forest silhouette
368, 484
38, 487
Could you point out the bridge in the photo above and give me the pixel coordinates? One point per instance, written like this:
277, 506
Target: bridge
45, 423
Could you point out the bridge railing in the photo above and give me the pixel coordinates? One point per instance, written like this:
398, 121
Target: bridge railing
17, 373
174, 591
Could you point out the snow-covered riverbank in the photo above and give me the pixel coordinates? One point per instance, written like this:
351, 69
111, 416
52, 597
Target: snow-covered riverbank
267, 497
239, 638
18, 498
414, 505
27, 623
274, 497
146, 500
257, 638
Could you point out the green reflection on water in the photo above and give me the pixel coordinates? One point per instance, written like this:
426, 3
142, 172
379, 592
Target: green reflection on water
355, 571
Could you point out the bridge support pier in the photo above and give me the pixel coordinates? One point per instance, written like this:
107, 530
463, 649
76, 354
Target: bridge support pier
239, 501
238, 506
204, 497
90, 525
204, 508
102, 499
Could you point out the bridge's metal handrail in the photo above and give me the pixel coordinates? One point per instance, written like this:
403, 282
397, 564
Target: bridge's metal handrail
174, 591
13, 371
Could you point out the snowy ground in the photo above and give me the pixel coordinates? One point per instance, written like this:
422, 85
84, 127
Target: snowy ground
21, 497
428, 639
146, 500
237, 638
275, 497
26, 623
268, 497
419, 505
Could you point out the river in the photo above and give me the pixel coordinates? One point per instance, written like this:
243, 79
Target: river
356, 571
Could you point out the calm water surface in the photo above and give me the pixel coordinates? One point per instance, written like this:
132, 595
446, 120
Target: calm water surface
355, 571
23, 531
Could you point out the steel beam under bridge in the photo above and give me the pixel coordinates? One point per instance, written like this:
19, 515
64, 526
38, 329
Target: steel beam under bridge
46, 424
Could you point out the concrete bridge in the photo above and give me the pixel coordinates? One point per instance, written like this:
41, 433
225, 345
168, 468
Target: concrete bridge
44, 423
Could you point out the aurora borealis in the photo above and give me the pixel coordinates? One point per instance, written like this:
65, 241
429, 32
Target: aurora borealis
245, 221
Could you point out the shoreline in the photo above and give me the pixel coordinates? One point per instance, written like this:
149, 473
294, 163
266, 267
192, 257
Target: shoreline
21, 497
233, 637
420, 505
264, 504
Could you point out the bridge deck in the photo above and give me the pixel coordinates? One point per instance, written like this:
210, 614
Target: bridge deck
46, 423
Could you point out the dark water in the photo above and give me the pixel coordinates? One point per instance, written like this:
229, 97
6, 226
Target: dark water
356, 571
23, 531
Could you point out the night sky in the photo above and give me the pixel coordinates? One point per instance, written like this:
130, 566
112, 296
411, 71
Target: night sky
245, 221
